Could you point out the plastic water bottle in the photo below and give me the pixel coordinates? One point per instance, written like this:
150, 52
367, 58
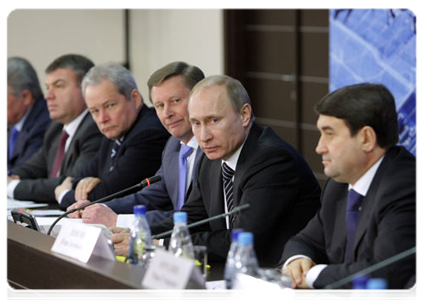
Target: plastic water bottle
230, 268
245, 257
376, 289
359, 288
140, 237
180, 240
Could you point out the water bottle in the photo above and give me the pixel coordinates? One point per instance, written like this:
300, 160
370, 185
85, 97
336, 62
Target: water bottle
180, 240
359, 288
376, 289
140, 238
230, 267
245, 257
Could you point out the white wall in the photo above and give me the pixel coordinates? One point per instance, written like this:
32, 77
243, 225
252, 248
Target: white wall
157, 37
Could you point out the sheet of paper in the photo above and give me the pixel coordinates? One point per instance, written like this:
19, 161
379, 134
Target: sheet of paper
12, 203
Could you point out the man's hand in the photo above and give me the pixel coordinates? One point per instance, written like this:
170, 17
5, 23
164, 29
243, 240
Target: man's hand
77, 214
99, 214
120, 240
298, 269
85, 186
66, 185
12, 177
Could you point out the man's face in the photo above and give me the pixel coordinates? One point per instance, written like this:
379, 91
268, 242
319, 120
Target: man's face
16, 107
112, 112
219, 129
342, 156
64, 95
170, 100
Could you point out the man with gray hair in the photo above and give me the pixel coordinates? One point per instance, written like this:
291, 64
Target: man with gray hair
133, 138
27, 114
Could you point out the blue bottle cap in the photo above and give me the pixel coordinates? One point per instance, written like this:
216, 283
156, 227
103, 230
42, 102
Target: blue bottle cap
245, 238
360, 282
180, 217
235, 233
140, 210
377, 284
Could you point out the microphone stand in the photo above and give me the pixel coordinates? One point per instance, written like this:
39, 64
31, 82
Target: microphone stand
235, 210
138, 186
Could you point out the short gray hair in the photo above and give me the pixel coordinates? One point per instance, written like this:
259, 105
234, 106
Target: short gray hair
121, 77
22, 76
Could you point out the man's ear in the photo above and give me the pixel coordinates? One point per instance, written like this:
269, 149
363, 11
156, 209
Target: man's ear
246, 114
368, 138
137, 97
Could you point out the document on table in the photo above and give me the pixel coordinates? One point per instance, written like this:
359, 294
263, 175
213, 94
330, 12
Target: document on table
12, 203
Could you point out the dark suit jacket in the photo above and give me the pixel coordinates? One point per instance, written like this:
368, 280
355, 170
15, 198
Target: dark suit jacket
386, 225
138, 157
273, 178
30, 138
160, 198
36, 184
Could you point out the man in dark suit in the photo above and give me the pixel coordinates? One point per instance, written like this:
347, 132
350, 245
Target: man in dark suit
27, 114
71, 140
269, 174
169, 88
368, 211
133, 138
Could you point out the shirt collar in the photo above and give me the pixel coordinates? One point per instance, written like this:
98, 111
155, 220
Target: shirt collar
18, 126
73, 126
193, 143
233, 160
363, 184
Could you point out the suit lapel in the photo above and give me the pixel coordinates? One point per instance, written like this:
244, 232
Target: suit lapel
216, 201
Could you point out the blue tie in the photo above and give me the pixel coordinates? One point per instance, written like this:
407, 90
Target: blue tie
113, 154
353, 212
12, 139
183, 155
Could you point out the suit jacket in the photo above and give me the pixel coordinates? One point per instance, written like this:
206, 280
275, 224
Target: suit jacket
160, 198
36, 184
30, 138
273, 178
138, 157
386, 225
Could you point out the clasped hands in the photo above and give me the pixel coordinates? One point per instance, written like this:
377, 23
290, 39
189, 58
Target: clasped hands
298, 269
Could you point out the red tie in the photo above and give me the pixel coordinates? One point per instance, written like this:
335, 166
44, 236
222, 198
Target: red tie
59, 155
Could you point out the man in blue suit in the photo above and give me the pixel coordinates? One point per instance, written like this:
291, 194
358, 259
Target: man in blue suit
169, 89
133, 138
27, 113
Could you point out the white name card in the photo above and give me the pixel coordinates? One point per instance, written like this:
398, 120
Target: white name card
250, 288
81, 241
167, 271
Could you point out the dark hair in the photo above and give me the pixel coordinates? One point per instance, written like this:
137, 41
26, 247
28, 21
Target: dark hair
79, 64
22, 76
190, 74
364, 104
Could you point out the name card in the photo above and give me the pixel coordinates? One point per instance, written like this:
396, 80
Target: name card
247, 287
81, 241
168, 272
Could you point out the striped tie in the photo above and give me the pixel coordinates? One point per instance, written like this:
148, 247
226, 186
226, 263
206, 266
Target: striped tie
115, 149
228, 185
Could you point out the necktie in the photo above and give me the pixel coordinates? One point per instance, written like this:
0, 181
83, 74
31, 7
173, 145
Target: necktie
353, 211
12, 139
183, 155
59, 155
228, 186
115, 149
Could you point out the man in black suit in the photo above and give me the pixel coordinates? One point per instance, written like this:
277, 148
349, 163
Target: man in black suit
269, 174
27, 114
71, 139
133, 138
368, 211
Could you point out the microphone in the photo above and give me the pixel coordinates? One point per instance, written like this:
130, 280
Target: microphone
372, 268
233, 211
138, 186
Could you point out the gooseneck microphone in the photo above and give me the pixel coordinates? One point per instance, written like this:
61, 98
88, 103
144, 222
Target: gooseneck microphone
372, 268
233, 211
138, 186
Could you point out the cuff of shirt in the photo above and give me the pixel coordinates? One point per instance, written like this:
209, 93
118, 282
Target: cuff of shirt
288, 261
11, 188
62, 195
313, 273
125, 221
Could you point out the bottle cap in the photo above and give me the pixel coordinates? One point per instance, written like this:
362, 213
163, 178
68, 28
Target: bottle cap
140, 210
180, 217
360, 282
235, 233
245, 238
377, 284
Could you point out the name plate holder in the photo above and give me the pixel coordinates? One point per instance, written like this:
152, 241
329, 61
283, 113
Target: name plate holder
81, 242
